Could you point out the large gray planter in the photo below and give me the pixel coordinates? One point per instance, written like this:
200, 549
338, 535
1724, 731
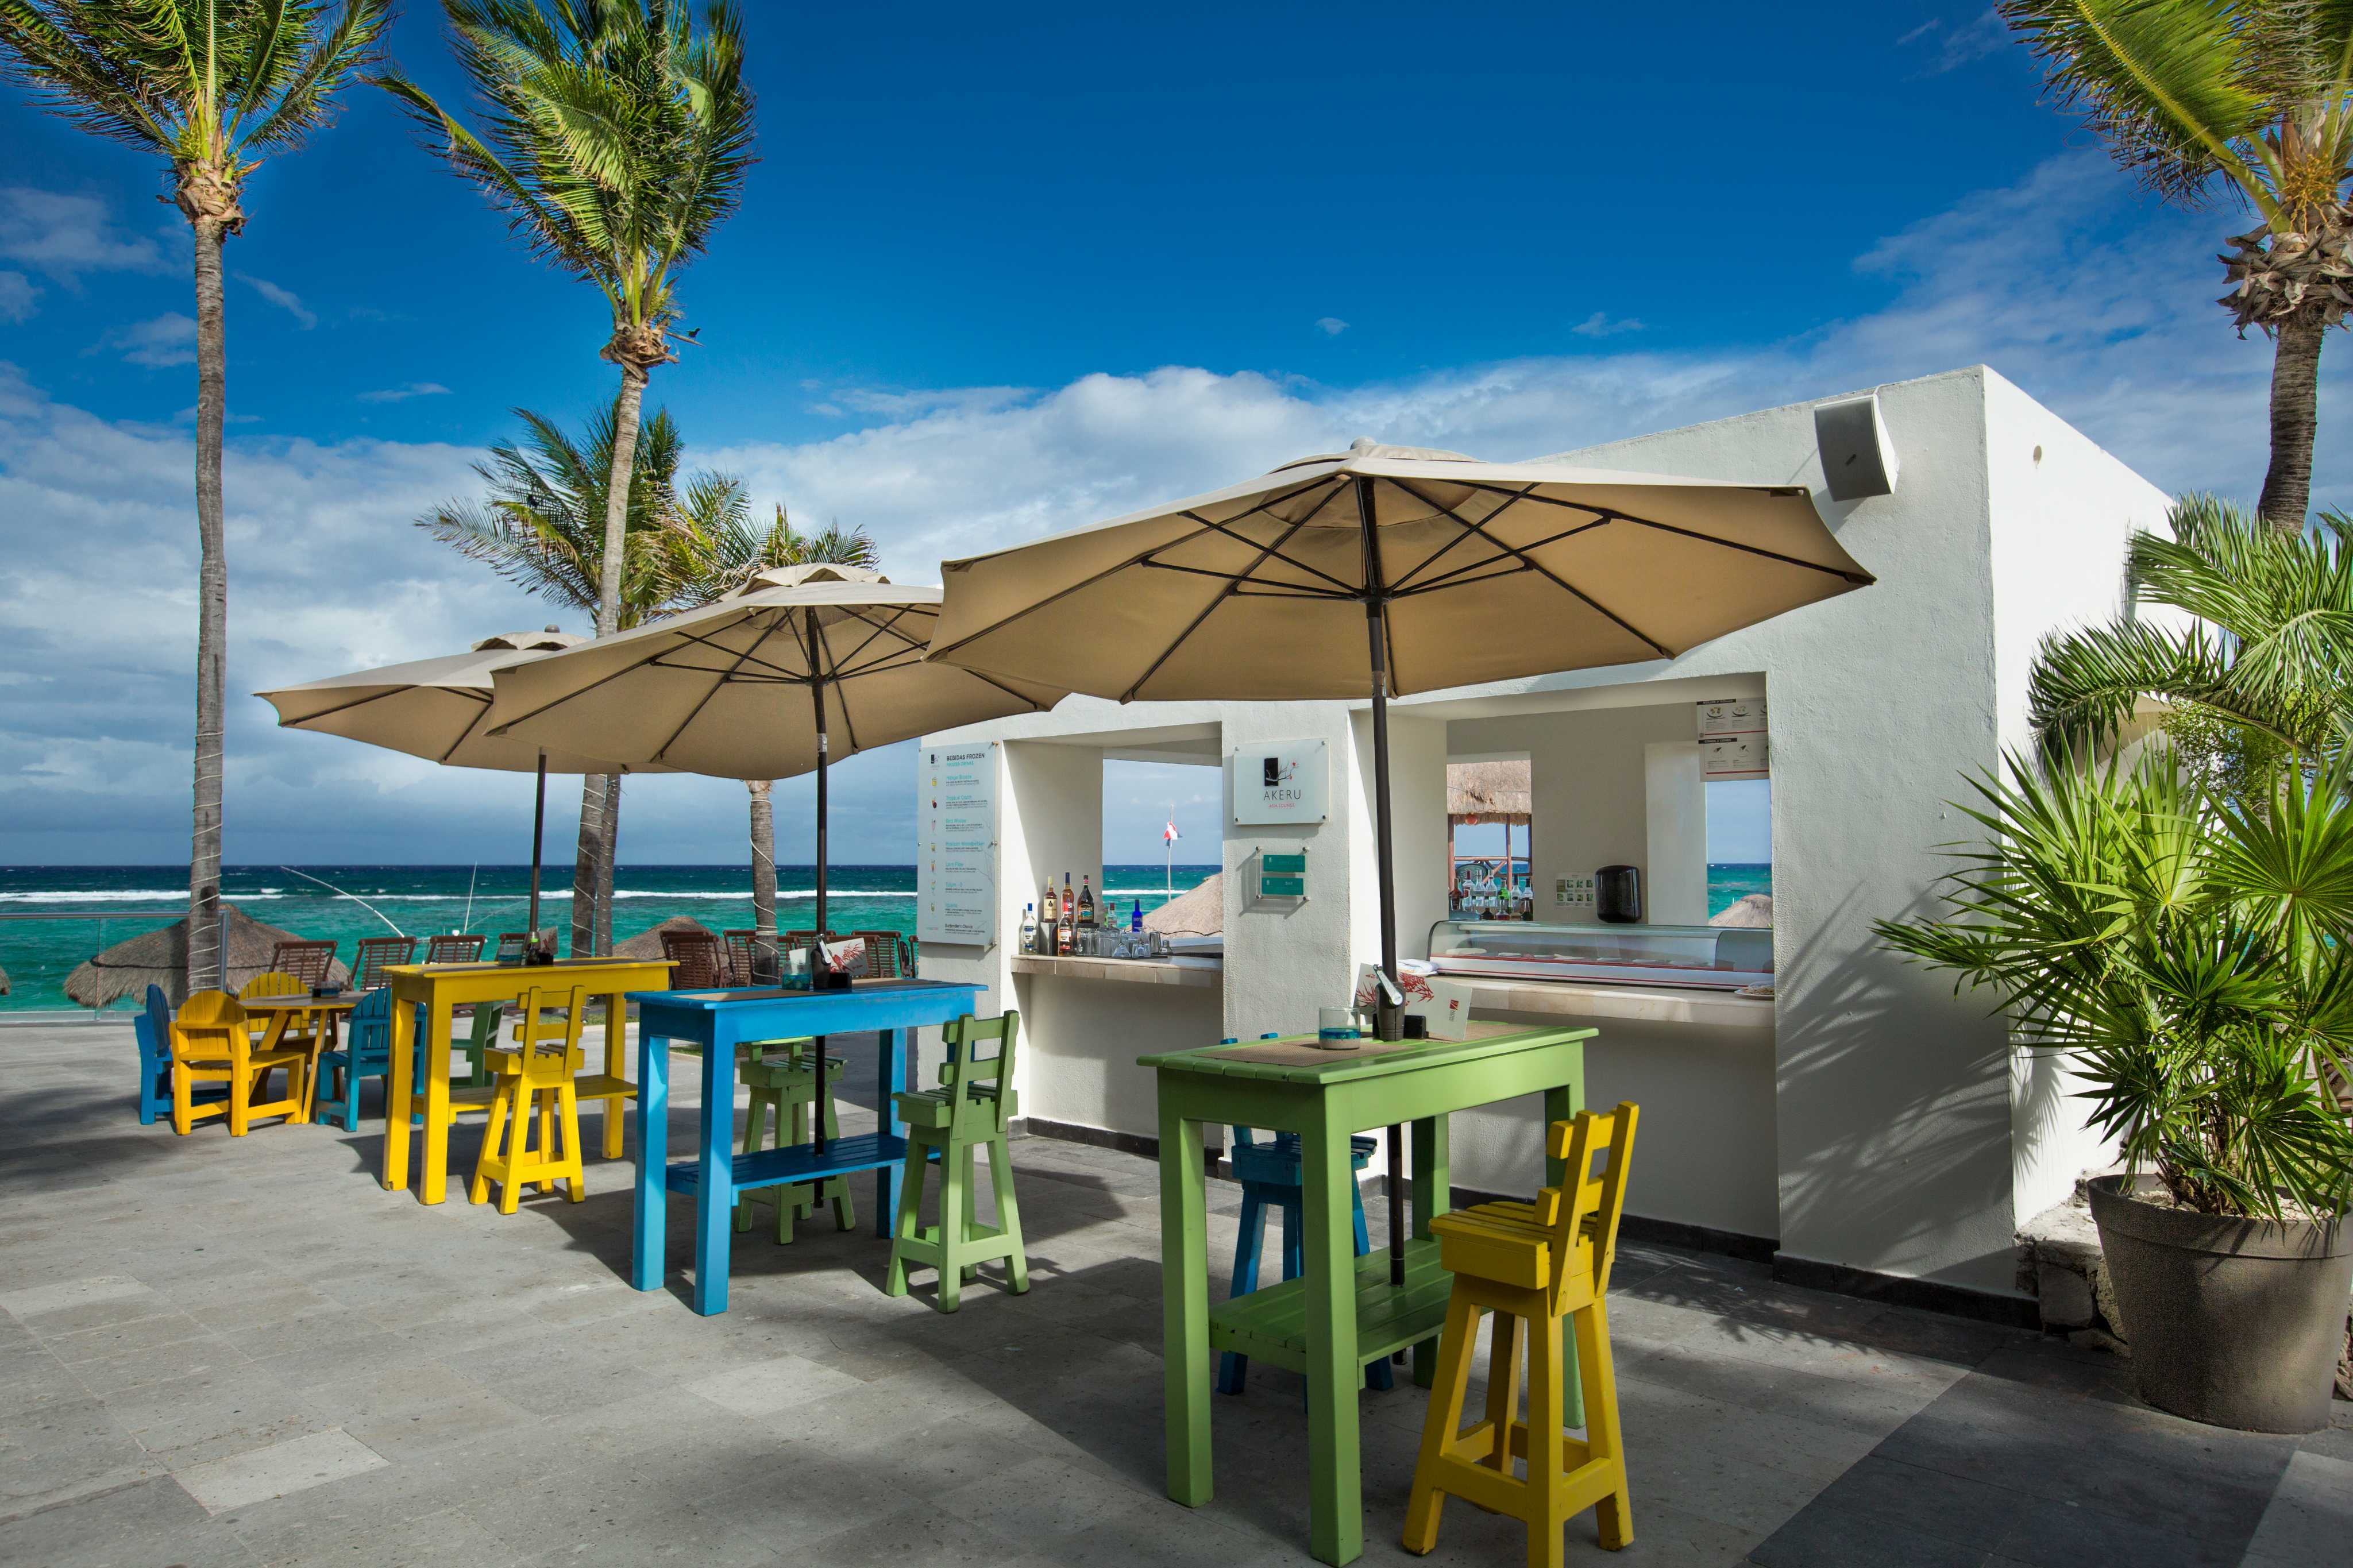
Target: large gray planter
2235, 1323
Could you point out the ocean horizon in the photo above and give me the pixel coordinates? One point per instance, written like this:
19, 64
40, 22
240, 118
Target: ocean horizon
347, 902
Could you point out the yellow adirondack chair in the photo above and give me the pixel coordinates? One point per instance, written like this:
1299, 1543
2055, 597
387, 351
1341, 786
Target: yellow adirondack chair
212, 1042
1532, 1265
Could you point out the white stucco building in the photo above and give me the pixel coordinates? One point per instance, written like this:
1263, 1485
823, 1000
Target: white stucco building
1862, 1127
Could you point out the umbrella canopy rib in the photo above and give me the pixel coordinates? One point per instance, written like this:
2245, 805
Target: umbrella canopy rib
1138, 558
1346, 589
1222, 596
1397, 584
719, 682
1555, 578
1861, 580
467, 733
1460, 575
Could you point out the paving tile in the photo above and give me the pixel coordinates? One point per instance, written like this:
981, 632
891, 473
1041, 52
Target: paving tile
150, 1523
765, 1387
2045, 1534
2310, 1516
314, 1460
1822, 1537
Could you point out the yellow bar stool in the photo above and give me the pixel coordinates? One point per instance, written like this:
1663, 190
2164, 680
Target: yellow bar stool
1533, 1264
535, 1076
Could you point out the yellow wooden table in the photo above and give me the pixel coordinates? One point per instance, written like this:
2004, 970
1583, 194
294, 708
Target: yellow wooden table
441, 988
318, 1014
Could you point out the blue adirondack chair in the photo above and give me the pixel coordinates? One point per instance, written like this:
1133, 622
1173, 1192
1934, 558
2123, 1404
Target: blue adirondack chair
1270, 1178
367, 1052
154, 1030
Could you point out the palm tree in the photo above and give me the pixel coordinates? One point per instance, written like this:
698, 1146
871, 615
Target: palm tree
614, 137
2259, 682
727, 554
2254, 96
542, 526
213, 87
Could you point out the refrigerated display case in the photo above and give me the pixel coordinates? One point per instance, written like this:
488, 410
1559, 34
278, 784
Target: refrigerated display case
1725, 958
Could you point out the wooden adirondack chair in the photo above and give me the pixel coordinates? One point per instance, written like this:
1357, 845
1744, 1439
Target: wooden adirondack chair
213, 1043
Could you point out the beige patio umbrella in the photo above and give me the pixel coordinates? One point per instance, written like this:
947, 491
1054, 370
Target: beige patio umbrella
758, 684
437, 708
1383, 571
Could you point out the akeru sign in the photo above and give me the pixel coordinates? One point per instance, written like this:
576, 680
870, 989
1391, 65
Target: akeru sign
1289, 781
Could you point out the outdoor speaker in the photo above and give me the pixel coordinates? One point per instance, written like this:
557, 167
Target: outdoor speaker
1858, 461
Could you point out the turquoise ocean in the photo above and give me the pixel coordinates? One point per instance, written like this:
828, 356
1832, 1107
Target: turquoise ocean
358, 901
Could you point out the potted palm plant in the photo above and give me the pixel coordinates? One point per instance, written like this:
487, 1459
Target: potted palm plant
2187, 951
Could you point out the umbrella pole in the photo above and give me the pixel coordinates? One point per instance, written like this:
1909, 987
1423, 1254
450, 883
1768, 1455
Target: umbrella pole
817, 954
1389, 1023
538, 837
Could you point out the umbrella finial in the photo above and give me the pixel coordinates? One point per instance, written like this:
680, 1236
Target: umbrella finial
1363, 444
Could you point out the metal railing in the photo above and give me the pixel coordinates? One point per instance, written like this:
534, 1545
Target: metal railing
11, 1015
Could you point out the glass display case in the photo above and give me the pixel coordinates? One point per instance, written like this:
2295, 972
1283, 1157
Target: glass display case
1720, 958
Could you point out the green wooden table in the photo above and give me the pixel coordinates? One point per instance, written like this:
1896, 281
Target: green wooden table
1343, 1313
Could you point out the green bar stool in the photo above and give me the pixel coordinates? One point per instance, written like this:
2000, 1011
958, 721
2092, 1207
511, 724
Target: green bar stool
784, 1090
973, 1106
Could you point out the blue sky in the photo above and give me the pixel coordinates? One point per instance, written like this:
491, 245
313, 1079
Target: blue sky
997, 275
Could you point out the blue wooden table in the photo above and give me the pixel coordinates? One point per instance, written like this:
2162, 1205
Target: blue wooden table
719, 1021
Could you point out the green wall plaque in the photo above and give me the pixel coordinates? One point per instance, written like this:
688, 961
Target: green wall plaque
1282, 887
1284, 865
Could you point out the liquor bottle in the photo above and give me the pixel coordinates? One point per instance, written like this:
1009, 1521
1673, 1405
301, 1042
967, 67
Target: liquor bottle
1046, 918
1070, 905
1065, 936
1135, 916
1086, 904
1029, 928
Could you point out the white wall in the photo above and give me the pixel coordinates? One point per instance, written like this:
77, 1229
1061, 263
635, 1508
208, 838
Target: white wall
1675, 811
1283, 962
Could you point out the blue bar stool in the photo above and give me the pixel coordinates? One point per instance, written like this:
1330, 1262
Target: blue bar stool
1270, 1179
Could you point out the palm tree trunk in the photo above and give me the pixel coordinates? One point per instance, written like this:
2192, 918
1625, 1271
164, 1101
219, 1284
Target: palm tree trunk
596, 852
2295, 381
205, 957
583, 865
607, 845
763, 854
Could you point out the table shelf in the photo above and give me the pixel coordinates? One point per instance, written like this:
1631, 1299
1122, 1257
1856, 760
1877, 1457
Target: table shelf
796, 1163
1270, 1323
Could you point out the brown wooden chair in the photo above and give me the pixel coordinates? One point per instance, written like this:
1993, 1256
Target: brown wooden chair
698, 961
307, 962
463, 948
803, 938
889, 955
746, 962
377, 953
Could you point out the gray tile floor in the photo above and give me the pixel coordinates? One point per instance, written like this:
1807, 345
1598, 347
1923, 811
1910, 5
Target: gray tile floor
240, 1352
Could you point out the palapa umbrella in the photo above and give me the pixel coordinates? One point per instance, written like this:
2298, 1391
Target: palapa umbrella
160, 957
435, 708
648, 943
755, 685
1383, 571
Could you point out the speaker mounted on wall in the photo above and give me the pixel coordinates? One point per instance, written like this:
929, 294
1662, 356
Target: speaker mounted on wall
1858, 459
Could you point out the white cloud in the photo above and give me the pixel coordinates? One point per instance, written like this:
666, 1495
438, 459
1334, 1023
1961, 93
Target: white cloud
169, 339
403, 394
284, 298
1331, 326
2092, 299
17, 296
1602, 324
913, 404
1963, 42
65, 236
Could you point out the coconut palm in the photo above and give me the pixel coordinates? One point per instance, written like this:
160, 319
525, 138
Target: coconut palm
213, 87
2249, 96
542, 526
727, 554
2259, 681
615, 134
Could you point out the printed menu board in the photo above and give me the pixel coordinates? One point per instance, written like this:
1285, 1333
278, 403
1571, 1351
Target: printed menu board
1733, 744
956, 868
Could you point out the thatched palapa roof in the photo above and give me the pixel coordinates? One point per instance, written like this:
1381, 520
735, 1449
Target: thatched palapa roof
1752, 911
160, 957
648, 943
1201, 912
1487, 792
